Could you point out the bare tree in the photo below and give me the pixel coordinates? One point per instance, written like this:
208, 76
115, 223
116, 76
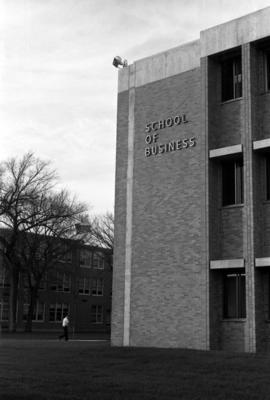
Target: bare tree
29, 205
100, 231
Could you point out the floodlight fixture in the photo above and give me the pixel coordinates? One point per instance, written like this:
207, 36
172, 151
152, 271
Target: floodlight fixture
119, 62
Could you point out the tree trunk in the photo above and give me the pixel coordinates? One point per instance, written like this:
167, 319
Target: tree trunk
33, 300
13, 300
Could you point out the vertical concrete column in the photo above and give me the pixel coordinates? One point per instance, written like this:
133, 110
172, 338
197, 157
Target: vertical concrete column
129, 197
205, 202
248, 223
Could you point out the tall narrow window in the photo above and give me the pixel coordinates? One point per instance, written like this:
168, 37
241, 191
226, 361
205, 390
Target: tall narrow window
97, 314
84, 286
38, 312
98, 261
97, 287
231, 72
235, 295
232, 182
4, 309
4, 278
267, 176
267, 70
85, 258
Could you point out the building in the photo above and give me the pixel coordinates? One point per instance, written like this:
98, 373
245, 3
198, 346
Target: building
80, 284
192, 206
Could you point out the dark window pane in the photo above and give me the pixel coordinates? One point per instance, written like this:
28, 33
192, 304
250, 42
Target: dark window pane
227, 80
228, 189
231, 76
235, 295
239, 185
268, 178
232, 182
230, 301
237, 78
268, 71
242, 296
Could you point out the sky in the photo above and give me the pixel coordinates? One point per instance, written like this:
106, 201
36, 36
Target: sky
58, 88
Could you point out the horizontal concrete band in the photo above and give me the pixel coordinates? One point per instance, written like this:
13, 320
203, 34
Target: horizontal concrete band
188, 56
227, 264
262, 262
161, 66
261, 144
225, 151
235, 33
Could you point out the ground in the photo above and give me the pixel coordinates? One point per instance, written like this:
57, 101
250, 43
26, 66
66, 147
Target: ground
45, 368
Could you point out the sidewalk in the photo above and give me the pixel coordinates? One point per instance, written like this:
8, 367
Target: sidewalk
53, 335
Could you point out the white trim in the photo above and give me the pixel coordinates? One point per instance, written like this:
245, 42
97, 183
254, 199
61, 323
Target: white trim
262, 262
261, 144
226, 264
130, 162
225, 151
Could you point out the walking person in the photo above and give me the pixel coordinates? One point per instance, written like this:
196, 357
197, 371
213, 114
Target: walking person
65, 324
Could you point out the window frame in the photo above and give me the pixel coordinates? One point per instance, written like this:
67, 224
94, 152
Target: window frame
232, 186
267, 177
98, 261
4, 278
232, 81
60, 282
58, 310
4, 309
240, 311
97, 287
84, 286
38, 309
85, 258
267, 69
97, 314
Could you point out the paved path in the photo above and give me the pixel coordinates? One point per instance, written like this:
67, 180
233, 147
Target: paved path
104, 337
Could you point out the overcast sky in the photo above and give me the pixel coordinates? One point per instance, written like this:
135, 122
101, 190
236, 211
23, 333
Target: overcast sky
58, 88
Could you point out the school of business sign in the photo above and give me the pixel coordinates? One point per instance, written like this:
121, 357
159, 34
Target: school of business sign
152, 129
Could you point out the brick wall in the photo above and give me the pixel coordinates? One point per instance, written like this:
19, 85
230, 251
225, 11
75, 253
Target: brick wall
231, 232
233, 334
167, 303
168, 294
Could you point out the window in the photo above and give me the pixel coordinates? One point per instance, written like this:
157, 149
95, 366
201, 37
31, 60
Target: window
235, 295
4, 309
43, 282
85, 258
65, 284
98, 261
97, 287
4, 280
267, 70
84, 286
38, 314
231, 72
267, 175
97, 314
57, 312
61, 282
25, 280
232, 182
65, 255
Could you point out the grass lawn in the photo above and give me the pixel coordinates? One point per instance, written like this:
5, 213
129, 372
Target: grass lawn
49, 369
